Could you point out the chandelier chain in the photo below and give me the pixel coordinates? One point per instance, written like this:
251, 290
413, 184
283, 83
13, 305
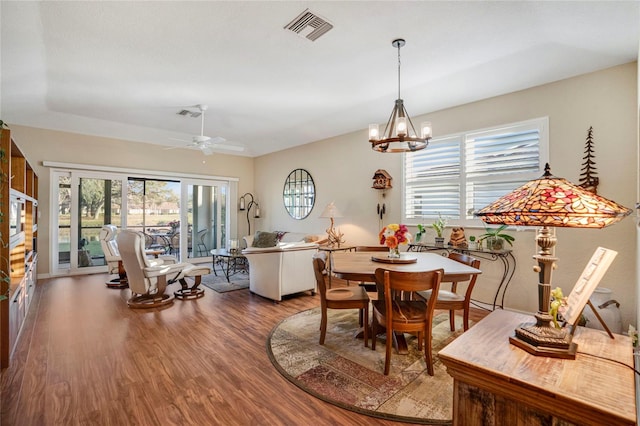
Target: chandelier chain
399, 71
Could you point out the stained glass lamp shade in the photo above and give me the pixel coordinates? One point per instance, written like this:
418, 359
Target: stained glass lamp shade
553, 201
546, 202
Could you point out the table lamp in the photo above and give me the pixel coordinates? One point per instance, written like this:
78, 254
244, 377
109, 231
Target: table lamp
547, 202
335, 236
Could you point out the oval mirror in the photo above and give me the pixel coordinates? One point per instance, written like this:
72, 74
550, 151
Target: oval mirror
299, 194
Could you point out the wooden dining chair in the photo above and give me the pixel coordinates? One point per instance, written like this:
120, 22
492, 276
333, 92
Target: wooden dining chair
400, 311
451, 300
353, 297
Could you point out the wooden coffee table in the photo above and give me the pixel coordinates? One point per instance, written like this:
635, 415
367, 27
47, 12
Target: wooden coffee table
231, 262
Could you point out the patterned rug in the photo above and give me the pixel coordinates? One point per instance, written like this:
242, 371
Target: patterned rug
219, 283
345, 373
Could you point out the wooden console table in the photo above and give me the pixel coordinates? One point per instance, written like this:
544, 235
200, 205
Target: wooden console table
496, 383
505, 257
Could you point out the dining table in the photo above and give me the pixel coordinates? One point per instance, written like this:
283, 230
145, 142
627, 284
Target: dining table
361, 267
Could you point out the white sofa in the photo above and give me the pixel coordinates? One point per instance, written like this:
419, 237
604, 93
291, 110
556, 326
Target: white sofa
285, 269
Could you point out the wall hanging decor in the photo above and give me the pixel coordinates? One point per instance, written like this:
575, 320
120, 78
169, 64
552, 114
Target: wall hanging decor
382, 182
588, 178
299, 194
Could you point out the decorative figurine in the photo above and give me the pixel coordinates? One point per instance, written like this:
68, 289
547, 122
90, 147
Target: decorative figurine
457, 238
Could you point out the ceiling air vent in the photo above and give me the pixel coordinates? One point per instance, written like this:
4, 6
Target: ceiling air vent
309, 25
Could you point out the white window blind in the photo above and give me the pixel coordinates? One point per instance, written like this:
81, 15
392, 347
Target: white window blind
458, 174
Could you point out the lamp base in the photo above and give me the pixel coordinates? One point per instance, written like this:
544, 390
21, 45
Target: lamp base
542, 339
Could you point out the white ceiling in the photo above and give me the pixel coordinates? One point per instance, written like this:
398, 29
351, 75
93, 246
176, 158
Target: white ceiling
124, 69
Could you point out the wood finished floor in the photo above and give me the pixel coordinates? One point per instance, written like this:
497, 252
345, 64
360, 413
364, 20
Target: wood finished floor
85, 358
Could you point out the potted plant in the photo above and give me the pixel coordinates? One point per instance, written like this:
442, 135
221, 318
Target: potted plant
439, 226
495, 238
473, 245
421, 231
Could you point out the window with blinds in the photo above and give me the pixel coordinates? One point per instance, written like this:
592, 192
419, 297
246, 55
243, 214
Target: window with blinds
458, 174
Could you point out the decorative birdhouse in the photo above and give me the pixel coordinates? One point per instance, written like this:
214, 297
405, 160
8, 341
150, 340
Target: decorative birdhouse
381, 180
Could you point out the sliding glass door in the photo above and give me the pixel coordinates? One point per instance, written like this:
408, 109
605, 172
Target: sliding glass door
85, 203
204, 223
183, 217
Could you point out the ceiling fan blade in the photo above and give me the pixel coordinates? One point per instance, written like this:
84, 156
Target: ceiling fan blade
206, 150
179, 140
217, 140
236, 148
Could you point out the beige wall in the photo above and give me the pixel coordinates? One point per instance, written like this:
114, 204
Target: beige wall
342, 168
39, 145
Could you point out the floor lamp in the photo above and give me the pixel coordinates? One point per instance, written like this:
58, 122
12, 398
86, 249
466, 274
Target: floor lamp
549, 202
246, 202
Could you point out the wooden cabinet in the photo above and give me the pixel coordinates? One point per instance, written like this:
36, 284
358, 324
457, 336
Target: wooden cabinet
496, 383
18, 236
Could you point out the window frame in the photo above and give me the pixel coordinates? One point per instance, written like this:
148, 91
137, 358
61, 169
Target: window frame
540, 123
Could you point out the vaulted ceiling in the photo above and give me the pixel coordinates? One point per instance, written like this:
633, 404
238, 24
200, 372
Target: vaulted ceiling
124, 69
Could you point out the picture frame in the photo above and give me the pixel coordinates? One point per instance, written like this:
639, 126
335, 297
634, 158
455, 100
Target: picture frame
586, 284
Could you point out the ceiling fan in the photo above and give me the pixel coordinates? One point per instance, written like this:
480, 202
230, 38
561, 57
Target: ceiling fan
204, 143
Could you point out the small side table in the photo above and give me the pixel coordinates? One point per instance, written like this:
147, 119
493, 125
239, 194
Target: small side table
330, 251
231, 262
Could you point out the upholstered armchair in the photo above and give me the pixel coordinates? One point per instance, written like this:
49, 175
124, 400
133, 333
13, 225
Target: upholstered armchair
112, 256
148, 278
109, 246
281, 270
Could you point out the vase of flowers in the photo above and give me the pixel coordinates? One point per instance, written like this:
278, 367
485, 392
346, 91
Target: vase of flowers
392, 236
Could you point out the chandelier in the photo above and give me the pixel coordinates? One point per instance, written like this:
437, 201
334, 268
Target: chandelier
399, 134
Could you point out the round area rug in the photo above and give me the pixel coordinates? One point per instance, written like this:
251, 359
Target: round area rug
345, 373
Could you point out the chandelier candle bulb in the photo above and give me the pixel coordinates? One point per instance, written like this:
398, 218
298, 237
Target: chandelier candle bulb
402, 126
373, 132
426, 130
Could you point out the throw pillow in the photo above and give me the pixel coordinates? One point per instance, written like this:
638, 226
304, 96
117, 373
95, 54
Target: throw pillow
265, 239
